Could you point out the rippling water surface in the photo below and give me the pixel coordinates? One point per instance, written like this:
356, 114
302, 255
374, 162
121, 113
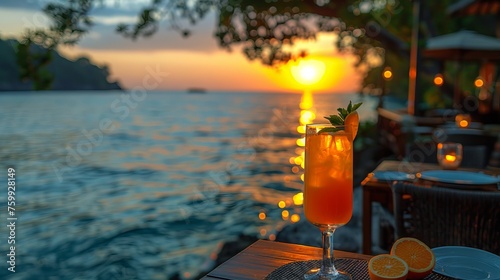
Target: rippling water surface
116, 186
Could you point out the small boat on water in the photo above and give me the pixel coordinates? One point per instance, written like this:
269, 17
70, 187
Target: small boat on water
196, 90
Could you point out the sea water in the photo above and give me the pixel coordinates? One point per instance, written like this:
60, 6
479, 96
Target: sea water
122, 185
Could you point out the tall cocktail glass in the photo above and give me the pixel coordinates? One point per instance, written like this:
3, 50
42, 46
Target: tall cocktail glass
328, 191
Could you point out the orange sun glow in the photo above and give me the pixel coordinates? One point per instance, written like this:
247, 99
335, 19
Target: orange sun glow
318, 74
308, 72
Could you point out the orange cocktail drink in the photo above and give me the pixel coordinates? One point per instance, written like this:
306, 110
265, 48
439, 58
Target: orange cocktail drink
328, 190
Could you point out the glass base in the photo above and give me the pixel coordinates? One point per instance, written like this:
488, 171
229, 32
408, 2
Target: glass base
314, 274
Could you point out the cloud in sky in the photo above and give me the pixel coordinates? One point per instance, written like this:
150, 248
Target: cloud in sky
201, 38
99, 6
17, 16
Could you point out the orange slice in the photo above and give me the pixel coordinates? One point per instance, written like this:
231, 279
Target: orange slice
352, 124
385, 266
416, 254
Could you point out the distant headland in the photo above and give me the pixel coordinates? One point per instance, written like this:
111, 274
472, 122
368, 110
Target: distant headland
79, 74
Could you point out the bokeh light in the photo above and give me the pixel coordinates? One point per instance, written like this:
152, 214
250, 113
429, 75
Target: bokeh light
295, 218
285, 214
387, 73
438, 80
298, 160
463, 120
301, 129
262, 215
478, 82
306, 117
281, 204
298, 199
301, 142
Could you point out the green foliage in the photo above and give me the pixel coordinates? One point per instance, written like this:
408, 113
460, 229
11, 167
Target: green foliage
367, 135
9, 68
32, 65
340, 118
70, 21
377, 32
435, 99
343, 112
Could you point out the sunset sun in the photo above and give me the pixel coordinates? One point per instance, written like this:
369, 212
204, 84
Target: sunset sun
308, 72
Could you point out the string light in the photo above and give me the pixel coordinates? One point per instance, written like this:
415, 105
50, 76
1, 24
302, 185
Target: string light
438, 80
387, 73
479, 82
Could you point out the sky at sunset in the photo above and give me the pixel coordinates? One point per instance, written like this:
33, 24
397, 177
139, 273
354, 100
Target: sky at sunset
193, 62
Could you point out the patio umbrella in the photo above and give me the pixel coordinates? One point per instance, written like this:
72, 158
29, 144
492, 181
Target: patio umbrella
480, 8
474, 7
463, 46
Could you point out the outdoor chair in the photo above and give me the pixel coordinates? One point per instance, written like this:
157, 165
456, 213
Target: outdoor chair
441, 216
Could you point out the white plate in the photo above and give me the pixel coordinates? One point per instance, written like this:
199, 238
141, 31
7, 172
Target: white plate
390, 176
466, 263
458, 177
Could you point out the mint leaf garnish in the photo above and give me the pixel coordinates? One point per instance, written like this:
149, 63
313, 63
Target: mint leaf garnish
356, 106
343, 113
335, 120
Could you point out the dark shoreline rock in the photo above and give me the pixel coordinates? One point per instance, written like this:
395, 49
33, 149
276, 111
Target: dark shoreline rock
228, 250
232, 248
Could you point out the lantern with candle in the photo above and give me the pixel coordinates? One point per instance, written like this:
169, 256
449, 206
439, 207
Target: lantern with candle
463, 120
449, 155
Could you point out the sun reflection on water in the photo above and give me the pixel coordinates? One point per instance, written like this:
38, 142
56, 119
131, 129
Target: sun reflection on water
281, 204
295, 218
262, 215
291, 208
307, 116
298, 199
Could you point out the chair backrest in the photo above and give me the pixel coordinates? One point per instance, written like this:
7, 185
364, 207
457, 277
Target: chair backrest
448, 217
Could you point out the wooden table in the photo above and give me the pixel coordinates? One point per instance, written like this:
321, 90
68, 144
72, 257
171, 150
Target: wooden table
380, 191
263, 257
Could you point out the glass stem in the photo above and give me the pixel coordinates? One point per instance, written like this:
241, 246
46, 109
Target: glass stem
327, 265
